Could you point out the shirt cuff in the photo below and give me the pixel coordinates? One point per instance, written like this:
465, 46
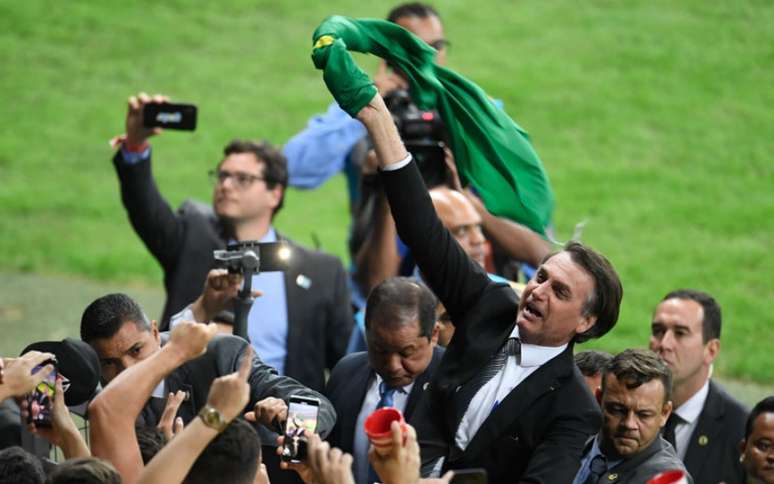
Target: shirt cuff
132, 158
398, 164
184, 315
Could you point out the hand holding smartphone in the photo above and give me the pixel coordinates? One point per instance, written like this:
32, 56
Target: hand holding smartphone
169, 116
41, 401
302, 419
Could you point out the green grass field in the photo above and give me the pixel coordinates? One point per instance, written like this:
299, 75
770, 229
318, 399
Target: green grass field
653, 119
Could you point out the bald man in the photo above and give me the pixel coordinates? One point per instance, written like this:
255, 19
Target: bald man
461, 219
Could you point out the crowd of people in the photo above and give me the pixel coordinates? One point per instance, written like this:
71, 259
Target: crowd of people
462, 318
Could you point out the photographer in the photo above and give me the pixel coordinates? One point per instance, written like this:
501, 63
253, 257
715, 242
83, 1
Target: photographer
301, 325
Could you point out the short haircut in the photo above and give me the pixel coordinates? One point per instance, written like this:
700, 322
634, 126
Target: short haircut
764, 406
604, 301
17, 466
150, 440
634, 367
591, 362
275, 165
412, 9
710, 325
400, 300
234, 457
104, 317
84, 470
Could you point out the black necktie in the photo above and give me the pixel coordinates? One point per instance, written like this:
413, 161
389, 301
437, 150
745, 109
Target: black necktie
511, 347
597, 468
669, 428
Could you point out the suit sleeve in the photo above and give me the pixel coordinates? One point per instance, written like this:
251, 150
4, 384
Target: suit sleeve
340, 320
265, 382
452, 275
151, 216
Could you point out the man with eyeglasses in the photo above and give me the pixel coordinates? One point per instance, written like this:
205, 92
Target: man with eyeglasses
301, 324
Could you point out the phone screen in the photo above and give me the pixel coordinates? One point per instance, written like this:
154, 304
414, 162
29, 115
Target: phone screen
469, 476
41, 400
170, 116
302, 417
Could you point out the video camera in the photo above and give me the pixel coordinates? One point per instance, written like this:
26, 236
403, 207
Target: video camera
423, 134
248, 258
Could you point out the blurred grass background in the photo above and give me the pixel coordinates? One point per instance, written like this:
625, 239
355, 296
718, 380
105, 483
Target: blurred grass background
653, 118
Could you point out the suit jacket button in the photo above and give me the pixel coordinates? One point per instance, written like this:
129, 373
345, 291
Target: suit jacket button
703, 440
612, 477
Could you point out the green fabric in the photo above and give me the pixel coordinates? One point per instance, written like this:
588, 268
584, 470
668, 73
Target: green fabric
492, 152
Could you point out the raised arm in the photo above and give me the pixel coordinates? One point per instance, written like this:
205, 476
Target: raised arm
454, 278
150, 214
228, 396
113, 412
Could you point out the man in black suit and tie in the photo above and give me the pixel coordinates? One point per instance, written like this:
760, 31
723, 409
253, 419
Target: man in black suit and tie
707, 424
507, 394
402, 357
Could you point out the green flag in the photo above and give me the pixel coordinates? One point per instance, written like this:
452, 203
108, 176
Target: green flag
492, 152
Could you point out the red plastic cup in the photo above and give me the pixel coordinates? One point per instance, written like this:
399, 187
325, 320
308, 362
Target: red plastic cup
377, 428
669, 477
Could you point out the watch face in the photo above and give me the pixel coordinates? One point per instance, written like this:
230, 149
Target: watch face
212, 418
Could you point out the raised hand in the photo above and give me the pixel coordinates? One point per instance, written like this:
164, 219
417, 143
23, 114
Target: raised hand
189, 339
170, 424
268, 411
229, 394
18, 379
136, 133
401, 464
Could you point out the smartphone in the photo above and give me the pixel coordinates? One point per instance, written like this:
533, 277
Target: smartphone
469, 476
42, 397
302, 418
169, 116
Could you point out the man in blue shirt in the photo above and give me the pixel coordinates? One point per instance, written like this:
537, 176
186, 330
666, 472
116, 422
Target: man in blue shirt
301, 324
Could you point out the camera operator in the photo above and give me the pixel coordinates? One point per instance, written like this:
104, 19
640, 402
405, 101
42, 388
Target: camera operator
301, 325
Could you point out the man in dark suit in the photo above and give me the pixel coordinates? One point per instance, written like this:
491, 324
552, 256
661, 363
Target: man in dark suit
507, 393
636, 401
302, 323
401, 359
707, 424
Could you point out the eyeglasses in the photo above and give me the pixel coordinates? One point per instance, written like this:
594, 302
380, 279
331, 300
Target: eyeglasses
241, 180
439, 44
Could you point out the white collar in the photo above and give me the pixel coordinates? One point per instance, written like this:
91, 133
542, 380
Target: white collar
535, 355
691, 408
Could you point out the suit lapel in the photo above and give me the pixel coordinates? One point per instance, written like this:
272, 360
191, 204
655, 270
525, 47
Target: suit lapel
544, 380
706, 430
620, 471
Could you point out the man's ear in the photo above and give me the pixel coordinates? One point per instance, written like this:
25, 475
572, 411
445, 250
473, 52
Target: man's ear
598, 394
711, 350
742, 445
666, 411
436, 333
155, 331
585, 324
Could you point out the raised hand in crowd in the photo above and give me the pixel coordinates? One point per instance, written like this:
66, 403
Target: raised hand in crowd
323, 465
270, 412
16, 377
228, 396
169, 423
220, 289
136, 132
189, 339
401, 464
63, 433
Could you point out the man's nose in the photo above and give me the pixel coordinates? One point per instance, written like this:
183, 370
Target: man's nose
394, 364
630, 421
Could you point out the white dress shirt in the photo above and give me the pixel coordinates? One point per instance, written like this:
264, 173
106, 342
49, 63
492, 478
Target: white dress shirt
490, 395
360, 442
689, 411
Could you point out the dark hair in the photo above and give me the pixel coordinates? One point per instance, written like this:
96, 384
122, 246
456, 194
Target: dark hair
604, 301
17, 466
104, 317
591, 362
233, 457
764, 406
634, 367
710, 326
401, 300
412, 9
84, 470
150, 440
275, 165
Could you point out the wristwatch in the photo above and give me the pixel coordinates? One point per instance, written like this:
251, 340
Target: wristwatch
212, 418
